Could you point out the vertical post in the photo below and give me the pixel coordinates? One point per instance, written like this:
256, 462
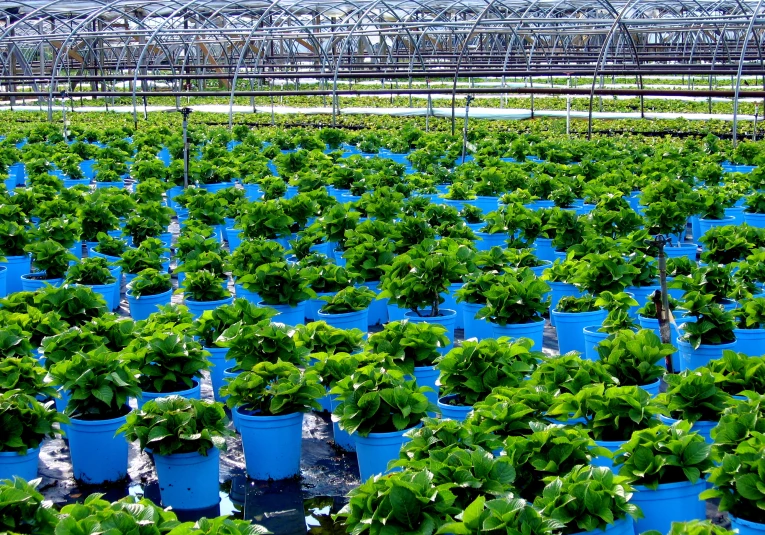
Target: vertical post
63, 111
662, 305
756, 113
468, 100
185, 112
568, 109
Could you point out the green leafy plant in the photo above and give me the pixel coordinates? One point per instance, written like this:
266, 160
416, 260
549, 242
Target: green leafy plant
618, 306
379, 400
571, 304
22, 509
695, 527
570, 373
516, 297
470, 372
99, 383
664, 454
24, 374
213, 323
511, 411
150, 282
203, 286
409, 344
167, 361
713, 325
751, 314
608, 495
693, 395
51, 258
26, 422
501, 515
91, 272
736, 372
251, 344
634, 357
174, 424
134, 261
607, 272
350, 299
110, 246
278, 283
270, 389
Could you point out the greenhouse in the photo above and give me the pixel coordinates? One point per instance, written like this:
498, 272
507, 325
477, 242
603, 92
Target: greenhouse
389, 267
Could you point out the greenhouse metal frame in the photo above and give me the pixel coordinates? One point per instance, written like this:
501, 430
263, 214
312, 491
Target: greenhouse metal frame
181, 48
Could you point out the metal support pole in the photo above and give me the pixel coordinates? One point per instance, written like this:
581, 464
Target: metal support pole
756, 113
185, 112
568, 109
468, 100
63, 110
662, 302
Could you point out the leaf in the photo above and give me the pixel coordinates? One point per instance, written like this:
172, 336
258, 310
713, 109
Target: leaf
746, 485
404, 506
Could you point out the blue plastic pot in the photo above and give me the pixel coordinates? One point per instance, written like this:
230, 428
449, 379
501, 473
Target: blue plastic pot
625, 526
450, 302
702, 427
219, 364
342, 438
688, 250
487, 240
234, 236
745, 527
641, 295
104, 290
652, 388
396, 313
29, 284
228, 375
446, 319
754, 220
750, 341
690, 358
188, 480
737, 213
486, 203
252, 192
93, 252
103, 185
76, 249
592, 338
243, 293
378, 309
610, 445
376, 450
453, 412
543, 249
23, 466
215, 188
706, 224
312, 306
142, 307
558, 291
287, 314
532, 330
670, 502
570, 328
70, 182
350, 320
116, 272
427, 376
3, 281
171, 194
475, 328
538, 270
190, 393
99, 455
271, 444
16, 266
197, 308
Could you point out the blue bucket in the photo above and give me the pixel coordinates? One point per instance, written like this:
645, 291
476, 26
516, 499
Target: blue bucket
745, 527
750, 342
271, 444
558, 291
396, 313
312, 306
188, 480
475, 328
243, 293
99, 455
104, 290
544, 250
32, 285
754, 220
641, 294
592, 339
234, 236
375, 451
687, 250
610, 445
190, 393
427, 376
197, 308
3, 281
451, 303
24, 466
142, 307
287, 314
350, 320
706, 224
487, 240
690, 358
670, 502
447, 319
453, 412
652, 388
570, 328
378, 310
534, 331
702, 427
116, 272
15, 267
342, 438
219, 364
